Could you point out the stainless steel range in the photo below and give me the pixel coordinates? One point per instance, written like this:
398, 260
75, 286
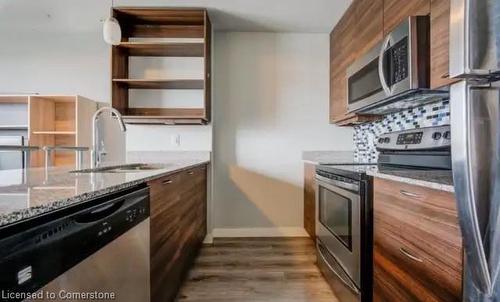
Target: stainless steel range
343, 230
344, 218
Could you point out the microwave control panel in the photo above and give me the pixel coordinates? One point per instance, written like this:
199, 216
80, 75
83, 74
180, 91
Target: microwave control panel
399, 61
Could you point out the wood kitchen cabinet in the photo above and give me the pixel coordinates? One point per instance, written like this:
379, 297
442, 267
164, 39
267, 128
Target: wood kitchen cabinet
440, 38
369, 24
178, 227
310, 199
363, 25
417, 244
360, 27
396, 11
161, 32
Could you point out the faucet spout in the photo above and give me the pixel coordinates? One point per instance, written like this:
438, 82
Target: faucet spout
96, 153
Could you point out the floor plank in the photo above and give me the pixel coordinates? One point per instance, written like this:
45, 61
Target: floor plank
257, 270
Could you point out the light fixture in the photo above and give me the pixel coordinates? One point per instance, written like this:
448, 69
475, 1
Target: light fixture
111, 30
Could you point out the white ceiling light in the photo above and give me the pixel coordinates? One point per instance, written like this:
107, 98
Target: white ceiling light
111, 30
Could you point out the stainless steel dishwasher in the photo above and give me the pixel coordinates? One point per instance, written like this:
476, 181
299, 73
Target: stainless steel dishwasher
96, 251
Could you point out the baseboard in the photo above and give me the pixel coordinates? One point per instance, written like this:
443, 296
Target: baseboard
209, 239
260, 232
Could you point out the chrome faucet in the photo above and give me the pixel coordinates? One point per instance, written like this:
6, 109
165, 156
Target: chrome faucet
96, 153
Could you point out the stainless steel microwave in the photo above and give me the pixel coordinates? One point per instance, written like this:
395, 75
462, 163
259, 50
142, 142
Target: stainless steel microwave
397, 69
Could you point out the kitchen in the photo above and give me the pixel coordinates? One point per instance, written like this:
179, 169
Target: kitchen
187, 150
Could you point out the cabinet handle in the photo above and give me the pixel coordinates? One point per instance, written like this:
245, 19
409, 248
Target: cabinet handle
167, 182
190, 172
407, 254
445, 76
409, 194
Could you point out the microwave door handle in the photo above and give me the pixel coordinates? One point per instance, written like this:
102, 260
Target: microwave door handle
464, 188
381, 62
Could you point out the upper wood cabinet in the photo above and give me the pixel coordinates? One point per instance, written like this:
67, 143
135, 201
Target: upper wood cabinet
417, 244
364, 24
369, 24
160, 32
360, 27
396, 11
440, 34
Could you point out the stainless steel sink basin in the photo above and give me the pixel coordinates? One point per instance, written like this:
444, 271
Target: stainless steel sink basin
131, 168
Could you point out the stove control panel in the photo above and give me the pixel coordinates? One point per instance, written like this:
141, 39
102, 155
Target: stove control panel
431, 138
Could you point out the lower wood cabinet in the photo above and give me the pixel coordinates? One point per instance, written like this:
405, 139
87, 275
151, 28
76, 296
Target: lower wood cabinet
310, 199
178, 227
417, 244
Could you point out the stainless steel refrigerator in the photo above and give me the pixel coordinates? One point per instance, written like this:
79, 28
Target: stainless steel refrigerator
475, 114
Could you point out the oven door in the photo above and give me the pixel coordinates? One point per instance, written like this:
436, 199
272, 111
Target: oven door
338, 223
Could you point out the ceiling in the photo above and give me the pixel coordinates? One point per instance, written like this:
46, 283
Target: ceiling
308, 16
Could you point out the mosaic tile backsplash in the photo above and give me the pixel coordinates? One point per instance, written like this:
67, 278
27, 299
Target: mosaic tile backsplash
365, 135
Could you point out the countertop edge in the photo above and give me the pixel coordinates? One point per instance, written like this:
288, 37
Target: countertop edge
30, 213
413, 181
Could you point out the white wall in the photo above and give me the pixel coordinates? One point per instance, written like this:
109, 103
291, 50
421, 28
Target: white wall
270, 102
56, 47
272, 94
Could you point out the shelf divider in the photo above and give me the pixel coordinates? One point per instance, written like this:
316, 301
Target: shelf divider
155, 49
160, 83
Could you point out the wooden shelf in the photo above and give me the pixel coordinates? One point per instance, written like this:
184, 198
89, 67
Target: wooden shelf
54, 132
160, 84
159, 16
188, 113
145, 49
166, 116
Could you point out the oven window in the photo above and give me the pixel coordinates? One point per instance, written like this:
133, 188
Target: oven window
335, 212
364, 83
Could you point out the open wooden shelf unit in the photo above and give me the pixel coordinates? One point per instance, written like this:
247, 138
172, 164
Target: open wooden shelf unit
161, 32
52, 120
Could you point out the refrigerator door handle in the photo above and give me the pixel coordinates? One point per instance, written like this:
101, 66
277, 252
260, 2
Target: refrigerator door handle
474, 27
460, 108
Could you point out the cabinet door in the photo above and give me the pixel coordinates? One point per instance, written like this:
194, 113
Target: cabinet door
310, 199
165, 201
369, 24
342, 54
359, 29
440, 36
178, 227
417, 244
396, 11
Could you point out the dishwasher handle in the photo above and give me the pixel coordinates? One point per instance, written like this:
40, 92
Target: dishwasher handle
100, 212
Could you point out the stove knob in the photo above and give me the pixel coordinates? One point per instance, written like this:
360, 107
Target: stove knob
436, 135
387, 140
447, 135
380, 140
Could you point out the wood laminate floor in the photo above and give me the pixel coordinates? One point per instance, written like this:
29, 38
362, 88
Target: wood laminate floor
256, 269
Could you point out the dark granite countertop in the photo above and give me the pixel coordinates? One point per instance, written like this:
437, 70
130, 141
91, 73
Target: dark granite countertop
28, 193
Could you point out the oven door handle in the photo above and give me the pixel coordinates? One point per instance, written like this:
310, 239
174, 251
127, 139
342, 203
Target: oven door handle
347, 283
326, 182
381, 62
